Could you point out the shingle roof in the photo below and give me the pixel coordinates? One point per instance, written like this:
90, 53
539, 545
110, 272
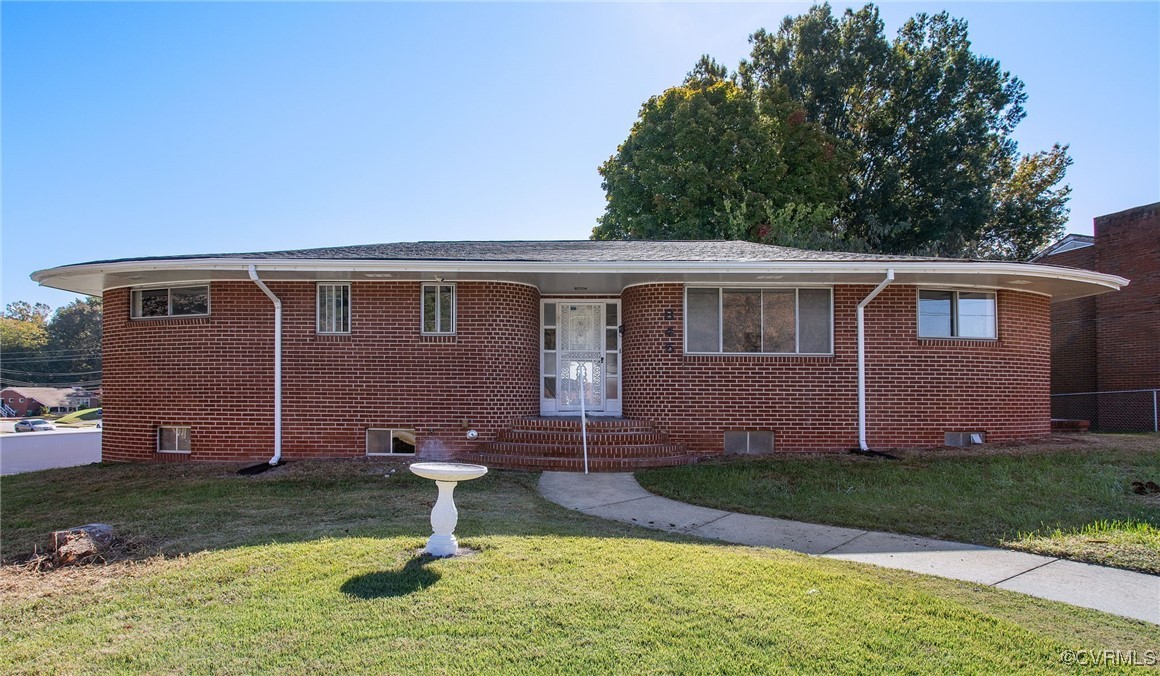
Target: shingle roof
1067, 243
52, 397
565, 251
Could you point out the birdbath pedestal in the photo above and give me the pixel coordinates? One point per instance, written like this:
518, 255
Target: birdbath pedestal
444, 515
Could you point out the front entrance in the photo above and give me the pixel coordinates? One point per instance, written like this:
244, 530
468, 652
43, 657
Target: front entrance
581, 352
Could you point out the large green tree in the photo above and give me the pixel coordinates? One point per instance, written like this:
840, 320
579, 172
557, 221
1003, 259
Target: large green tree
920, 128
59, 350
703, 162
77, 326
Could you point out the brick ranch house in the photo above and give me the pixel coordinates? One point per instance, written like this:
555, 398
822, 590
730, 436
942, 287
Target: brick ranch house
27, 401
477, 351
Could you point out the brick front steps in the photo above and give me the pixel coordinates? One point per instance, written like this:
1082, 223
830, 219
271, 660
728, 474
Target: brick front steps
614, 445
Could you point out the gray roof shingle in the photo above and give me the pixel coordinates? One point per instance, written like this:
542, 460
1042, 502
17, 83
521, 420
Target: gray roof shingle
564, 251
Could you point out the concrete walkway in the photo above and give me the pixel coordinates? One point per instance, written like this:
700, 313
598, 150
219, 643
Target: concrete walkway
619, 497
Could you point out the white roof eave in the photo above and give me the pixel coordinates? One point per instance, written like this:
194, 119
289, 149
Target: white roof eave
94, 278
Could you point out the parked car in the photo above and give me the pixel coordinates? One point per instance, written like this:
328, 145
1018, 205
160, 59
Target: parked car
33, 425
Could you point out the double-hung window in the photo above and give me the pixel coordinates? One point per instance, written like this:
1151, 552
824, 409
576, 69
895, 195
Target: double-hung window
956, 314
759, 321
178, 301
333, 308
438, 309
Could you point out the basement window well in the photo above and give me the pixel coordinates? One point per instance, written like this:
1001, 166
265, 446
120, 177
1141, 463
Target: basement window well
382, 441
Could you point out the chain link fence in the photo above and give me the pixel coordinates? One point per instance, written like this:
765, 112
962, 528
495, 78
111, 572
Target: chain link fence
1117, 411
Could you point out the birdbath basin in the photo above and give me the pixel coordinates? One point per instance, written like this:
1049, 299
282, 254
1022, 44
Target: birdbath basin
444, 515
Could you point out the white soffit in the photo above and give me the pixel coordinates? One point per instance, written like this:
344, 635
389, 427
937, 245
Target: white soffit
594, 277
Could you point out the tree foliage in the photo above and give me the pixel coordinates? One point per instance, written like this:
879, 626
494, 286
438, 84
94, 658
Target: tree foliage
22, 328
58, 350
21, 336
702, 162
76, 326
23, 311
832, 135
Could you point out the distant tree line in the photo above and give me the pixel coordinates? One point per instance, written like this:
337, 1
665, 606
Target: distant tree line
42, 348
832, 136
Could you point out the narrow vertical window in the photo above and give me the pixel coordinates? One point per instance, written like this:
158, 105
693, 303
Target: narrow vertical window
333, 308
703, 329
438, 306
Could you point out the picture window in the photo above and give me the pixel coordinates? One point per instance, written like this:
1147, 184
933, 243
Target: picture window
758, 321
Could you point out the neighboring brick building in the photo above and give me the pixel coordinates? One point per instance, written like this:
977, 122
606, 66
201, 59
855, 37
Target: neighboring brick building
28, 401
683, 349
1109, 343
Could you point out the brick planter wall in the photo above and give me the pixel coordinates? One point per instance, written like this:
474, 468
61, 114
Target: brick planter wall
215, 374
917, 389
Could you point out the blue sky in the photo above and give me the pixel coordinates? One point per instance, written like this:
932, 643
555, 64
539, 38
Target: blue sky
140, 129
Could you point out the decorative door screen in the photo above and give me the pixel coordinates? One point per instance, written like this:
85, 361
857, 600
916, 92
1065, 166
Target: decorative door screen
580, 346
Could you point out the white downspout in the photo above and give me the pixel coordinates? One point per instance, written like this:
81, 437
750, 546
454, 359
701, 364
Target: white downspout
277, 365
862, 357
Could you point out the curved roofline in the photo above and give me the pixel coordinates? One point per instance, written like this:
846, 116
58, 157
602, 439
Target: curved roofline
70, 277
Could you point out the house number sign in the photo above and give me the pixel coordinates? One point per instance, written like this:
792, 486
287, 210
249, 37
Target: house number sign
670, 316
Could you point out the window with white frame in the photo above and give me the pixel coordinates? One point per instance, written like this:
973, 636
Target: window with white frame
438, 309
758, 321
171, 439
176, 301
390, 442
333, 308
956, 314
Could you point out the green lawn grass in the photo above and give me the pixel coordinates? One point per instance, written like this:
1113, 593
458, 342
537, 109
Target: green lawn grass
313, 567
1070, 497
78, 416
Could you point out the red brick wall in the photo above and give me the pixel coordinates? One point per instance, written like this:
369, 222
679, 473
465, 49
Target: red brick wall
1073, 330
1128, 245
917, 389
215, 374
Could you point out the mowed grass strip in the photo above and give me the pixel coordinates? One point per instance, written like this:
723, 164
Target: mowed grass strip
1070, 497
313, 567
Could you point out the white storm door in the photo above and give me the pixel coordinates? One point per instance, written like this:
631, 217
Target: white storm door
580, 356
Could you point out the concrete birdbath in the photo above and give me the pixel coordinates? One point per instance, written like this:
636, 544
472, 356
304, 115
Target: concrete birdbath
444, 516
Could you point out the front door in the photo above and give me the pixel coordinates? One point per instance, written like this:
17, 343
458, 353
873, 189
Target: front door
580, 356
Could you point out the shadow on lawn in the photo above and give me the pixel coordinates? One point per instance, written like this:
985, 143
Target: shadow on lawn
412, 577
